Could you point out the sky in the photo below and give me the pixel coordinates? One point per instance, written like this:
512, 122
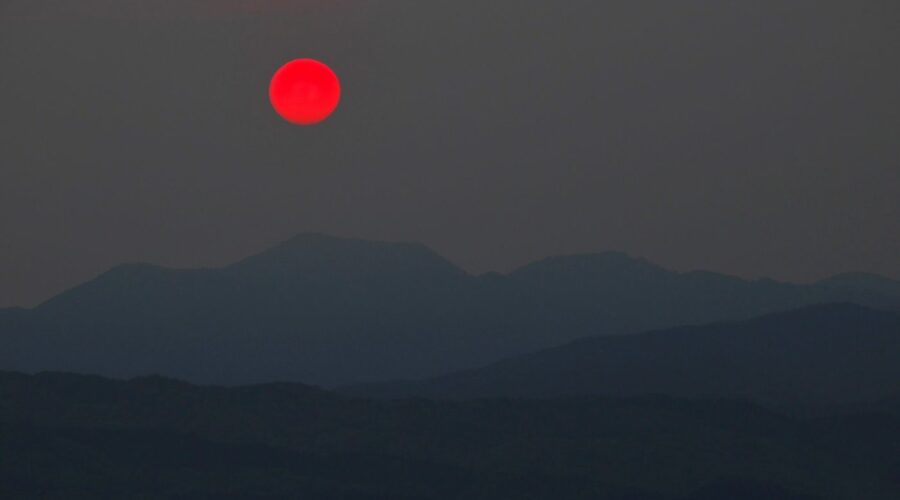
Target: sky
750, 138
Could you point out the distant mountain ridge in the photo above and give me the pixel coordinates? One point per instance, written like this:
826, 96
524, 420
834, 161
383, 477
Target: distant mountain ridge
819, 358
335, 311
74, 436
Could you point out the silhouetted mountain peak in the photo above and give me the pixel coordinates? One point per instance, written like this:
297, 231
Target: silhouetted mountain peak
331, 310
320, 254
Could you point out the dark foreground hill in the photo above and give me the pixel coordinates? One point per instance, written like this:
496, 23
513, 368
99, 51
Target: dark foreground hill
70, 436
815, 358
332, 311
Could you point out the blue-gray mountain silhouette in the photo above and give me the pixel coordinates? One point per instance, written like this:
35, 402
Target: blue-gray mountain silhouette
72, 436
819, 358
334, 311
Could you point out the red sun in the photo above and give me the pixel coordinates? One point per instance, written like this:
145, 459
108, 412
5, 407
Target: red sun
305, 92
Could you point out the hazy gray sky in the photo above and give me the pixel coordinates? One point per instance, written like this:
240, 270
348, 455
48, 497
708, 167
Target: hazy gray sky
753, 138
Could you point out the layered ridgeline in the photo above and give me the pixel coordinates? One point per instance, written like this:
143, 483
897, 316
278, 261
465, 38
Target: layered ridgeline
332, 311
71, 436
819, 358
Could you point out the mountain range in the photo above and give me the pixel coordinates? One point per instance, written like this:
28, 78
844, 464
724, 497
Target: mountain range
814, 359
75, 436
334, 312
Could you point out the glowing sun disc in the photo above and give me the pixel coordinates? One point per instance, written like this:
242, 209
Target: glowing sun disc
305, 92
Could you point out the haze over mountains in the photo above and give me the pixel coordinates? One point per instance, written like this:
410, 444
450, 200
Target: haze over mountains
742, 390
331, 311
755, 138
